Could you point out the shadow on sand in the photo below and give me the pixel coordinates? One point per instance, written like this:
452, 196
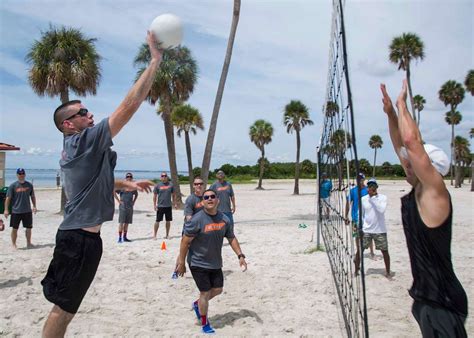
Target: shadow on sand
14, 282
220, 321
39, 246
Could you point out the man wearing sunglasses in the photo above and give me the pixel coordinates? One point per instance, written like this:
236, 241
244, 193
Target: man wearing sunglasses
163, 193
202, 244
225, 192
87, 165
193, 203
126, 199
18, 197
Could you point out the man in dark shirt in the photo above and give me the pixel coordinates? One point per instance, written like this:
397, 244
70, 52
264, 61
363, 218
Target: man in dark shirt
87, 164
440, 302
163, 193
18, 197
203, 238
226, 196
193, 203
126, 199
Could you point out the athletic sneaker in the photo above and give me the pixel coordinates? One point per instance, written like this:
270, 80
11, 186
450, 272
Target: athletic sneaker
196, 310
208, 329
126, 239
119, 240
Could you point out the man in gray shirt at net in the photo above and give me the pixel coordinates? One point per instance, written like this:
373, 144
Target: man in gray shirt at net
203, 238
18, 197
225, 193
87, 165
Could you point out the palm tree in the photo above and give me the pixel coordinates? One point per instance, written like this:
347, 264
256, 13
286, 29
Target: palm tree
403, 50
188, 119
173, 84
261, 133
340, 141
452, 94
295, 118
332, 108
463, 156
206, 160
419, 104
471, 135
469, 81
63, 60
375, 143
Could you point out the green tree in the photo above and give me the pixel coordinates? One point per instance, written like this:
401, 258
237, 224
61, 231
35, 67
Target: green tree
403, 50
173, 84
375, 143
206, 160
295, 118
469, 81
387, 168
187, 119
340, 141
261, 133
63, 60
463, 158
452, 94
419, 104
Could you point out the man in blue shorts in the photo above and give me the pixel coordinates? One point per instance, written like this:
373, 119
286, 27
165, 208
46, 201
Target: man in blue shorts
226, 196
163, 193
203, 238
87, 165
18, 197
126, 199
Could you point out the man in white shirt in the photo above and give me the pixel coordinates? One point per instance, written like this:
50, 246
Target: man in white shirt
373, 214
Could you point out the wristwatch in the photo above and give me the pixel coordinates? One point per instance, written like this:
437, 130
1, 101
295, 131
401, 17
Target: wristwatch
241, 256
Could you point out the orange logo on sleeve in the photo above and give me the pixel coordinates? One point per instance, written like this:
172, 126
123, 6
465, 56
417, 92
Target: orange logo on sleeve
165, 187
214, 227
223, 188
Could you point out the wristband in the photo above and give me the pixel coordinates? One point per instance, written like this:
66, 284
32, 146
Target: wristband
241, 256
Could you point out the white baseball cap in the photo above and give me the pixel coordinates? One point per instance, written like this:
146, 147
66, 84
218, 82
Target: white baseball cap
438, 158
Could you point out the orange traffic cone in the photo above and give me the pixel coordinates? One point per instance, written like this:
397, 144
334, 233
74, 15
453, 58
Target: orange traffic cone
163, 246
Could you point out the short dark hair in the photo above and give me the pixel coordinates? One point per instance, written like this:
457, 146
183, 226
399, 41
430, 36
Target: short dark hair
211, 190
197, 178
58, 115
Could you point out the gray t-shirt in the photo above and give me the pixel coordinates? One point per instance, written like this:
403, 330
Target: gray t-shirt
224, 193
126, 197
208, 231
164, 191
87, 166
192, 205
20, 194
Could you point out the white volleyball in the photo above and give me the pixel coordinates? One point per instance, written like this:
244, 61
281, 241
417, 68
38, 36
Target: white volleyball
168, 30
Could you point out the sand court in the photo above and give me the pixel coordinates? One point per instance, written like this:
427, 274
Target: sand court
286, 291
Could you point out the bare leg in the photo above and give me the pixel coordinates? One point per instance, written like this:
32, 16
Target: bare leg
125, 227
386, 259
57, 322
372, 254
155, 229
168, 226
14, 236
205, 297
28, 238
357, 256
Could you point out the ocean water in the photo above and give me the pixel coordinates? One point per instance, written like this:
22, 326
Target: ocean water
46, 178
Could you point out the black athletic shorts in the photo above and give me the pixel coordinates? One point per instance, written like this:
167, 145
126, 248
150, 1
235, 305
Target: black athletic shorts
207, 279
437, 321
26, 218
75, 261
166, 211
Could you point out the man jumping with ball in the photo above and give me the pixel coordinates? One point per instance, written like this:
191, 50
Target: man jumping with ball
87, 165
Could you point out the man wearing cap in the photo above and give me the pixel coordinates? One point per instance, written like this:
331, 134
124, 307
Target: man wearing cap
325, 192
18, 197
352, 203
440, 302
126, 199
163, 193
203, 238
226, 196
87, 164
373, 226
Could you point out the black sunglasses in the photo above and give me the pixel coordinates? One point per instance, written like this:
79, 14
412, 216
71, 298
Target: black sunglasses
128, 176
200, 183
164, 175
82, 112
207, 197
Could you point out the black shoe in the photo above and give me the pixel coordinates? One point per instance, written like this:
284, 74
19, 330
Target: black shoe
126, 239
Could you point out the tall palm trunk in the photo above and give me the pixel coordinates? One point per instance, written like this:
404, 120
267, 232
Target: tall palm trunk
262, 167
410, 91
190, 161
419, 118
206, 161
472, 176
375, 158
172, 154
64, 98
296, 191
452, 152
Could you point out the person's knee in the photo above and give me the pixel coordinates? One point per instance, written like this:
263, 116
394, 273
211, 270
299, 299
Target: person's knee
61, 315
205, 294
217, 291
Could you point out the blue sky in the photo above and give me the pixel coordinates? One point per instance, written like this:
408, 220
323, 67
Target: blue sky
280, 54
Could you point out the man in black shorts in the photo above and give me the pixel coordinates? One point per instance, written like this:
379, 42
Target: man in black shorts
203, 238
87, 165
18, 197
162, 195
126, 199
440, 302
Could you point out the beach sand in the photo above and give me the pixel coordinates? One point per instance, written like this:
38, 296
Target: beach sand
284, 292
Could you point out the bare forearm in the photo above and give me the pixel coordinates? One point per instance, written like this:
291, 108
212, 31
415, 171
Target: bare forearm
409, 132
183, 249
234, 244
33, 201
7, 203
